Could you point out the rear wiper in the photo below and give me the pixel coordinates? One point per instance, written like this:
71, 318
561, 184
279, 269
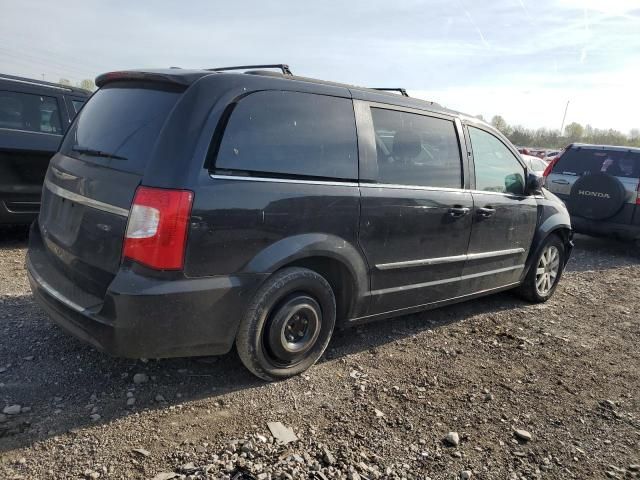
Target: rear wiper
96, 153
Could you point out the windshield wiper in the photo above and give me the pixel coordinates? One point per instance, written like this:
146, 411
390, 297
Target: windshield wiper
96, 153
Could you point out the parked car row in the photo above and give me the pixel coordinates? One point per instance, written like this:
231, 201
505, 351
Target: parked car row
34, 115
188, 211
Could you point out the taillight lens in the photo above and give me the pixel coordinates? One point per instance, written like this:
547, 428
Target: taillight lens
552, 164
638, 195
157, 229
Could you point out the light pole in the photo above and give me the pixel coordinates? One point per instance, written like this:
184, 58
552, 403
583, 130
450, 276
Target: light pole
564, 118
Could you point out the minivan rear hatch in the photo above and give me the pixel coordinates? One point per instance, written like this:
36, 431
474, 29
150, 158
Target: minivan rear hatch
92, 180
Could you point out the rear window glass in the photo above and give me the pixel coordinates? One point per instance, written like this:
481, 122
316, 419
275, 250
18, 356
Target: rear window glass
119, 126
28, 112
619, 163
291, 133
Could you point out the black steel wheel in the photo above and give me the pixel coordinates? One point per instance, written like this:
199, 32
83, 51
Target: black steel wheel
288, 324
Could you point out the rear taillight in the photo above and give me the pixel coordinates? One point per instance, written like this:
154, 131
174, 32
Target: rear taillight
638, 195
157, 230
549, 168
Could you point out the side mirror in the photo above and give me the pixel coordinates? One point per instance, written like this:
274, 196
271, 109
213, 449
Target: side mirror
535, 183
514, 184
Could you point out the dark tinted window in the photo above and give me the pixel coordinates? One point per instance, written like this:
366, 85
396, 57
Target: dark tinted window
577, 161
121, 120
291, 133
77, 105
32, 113
416, 149
497, 169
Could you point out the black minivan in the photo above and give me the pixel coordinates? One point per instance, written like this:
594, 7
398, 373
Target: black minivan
190, 210
34, 115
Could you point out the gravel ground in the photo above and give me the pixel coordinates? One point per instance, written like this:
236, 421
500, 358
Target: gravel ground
491, 389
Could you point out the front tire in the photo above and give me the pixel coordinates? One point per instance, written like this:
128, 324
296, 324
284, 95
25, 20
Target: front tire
288, 324
544, 275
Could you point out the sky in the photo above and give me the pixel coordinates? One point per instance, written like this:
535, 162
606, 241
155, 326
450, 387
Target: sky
522, 59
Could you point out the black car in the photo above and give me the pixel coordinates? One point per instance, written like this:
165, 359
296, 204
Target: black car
190, 210
600, 185
34, 116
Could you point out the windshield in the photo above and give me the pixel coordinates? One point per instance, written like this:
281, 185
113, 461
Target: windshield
119, 125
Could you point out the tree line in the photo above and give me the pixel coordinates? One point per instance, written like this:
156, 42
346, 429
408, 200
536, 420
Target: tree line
87, 83
574, 132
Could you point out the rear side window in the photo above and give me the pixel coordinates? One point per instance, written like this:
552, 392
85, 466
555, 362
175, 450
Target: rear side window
119, 126
579, 161
497, 169
416, 150
77, 104
291, 133
28, 112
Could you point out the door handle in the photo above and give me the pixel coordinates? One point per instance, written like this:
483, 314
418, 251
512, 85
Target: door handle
458, 211
485, 212
561, 182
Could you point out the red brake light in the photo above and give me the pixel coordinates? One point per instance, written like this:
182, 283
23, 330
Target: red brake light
157, 229
552, 164
638, 195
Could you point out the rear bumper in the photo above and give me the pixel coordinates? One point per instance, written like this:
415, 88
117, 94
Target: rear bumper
142, 317
604, 228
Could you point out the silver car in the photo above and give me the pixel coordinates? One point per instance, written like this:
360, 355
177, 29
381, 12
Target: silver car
599, 184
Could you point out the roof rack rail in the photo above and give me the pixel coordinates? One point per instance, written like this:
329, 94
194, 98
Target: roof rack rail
401, 91
282, 66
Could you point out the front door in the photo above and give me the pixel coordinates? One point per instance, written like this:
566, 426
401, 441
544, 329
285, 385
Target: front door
504, 218
415, 215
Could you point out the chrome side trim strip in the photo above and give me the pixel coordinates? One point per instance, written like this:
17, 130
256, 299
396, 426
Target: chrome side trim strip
81, 199
422, 262
411, 187
496, 253
354, 184
443, 281
53, 292
284, 180
452, 259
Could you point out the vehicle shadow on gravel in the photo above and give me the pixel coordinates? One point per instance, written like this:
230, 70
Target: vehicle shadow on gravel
13, 236
67, 385
600, 253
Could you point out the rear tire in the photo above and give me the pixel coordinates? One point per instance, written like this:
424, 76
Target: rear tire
545, 272
287, 325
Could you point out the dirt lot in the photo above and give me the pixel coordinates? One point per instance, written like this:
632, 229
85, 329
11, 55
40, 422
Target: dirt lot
377, 406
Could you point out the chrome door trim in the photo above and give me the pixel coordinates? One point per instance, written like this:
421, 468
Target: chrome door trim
496, 253
443, 281
452, 259
81, 199
422, 262
284, 180
412, 187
